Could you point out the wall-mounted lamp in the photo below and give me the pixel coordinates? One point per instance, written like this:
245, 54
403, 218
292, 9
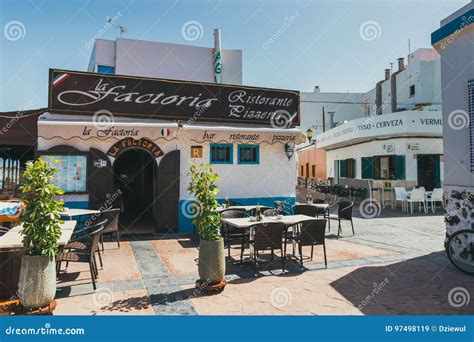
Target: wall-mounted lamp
289, 150
309, 135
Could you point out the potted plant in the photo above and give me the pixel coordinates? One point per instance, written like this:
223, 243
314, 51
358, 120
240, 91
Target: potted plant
41, 231
203, 186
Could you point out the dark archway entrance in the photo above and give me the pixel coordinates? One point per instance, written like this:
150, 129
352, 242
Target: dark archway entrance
134, 171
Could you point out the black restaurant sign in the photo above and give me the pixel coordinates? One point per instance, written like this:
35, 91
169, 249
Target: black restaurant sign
72, 92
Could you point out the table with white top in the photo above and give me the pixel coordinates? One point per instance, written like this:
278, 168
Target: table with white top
78, 212
10, 256
243, 207
317, 205
248, 222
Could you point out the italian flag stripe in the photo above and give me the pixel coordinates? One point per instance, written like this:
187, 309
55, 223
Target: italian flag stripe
294, 116
59, 79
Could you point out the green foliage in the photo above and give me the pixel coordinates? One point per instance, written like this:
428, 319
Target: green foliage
40, 219
203, 187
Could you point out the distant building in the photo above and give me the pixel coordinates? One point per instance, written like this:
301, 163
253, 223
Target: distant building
392, 136
454, 40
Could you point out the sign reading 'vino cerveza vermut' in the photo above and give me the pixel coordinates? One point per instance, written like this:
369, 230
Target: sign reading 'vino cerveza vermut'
73, 92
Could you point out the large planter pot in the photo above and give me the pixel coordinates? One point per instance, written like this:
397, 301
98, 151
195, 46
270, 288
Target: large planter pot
37, 282
211, 261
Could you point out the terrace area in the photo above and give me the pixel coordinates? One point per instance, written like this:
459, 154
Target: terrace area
393, 265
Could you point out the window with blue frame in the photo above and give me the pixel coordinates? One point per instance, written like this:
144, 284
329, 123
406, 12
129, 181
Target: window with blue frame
221, 153
104, 69
248, 154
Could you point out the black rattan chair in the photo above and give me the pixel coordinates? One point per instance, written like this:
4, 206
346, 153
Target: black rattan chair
85, 255
312, 233
82, 238
231, 233
305, 209
3, 230
344, 213
111, 227
267, 236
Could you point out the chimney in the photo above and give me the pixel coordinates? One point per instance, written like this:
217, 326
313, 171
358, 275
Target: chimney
387, 74
401, 64
217, 56
316, 89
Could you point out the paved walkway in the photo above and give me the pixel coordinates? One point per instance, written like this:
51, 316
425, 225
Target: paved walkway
392, 265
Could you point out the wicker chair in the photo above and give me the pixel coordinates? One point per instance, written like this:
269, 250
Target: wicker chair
268, 236
82, 238
312, 233
111, 227
305, 209
344, 213
3, 230
231, 233
85, 255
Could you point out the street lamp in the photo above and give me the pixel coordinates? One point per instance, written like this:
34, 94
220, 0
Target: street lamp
309, 134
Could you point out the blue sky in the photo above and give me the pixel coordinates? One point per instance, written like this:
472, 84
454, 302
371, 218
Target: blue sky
323, 42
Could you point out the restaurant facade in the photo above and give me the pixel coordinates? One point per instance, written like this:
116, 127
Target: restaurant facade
128, 141
402, 149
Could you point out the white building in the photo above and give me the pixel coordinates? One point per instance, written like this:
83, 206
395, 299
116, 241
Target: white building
454, 40
163, 60
396, 149
116, 130
364, 138
415, 84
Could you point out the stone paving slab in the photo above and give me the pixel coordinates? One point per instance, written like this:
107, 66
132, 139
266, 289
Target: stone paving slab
164, 292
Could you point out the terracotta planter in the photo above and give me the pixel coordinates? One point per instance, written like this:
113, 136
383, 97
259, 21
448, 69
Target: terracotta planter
211, 261
37, 282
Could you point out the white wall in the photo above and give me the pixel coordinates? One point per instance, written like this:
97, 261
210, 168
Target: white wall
166, 60
342, 104
457, 68
274, 176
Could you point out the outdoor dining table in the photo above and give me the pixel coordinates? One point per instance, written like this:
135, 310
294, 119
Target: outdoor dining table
10, 258
70, 213
242, 207
249, 222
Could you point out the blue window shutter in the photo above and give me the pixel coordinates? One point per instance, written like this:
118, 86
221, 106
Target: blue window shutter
367, 167
342, 168
400, 167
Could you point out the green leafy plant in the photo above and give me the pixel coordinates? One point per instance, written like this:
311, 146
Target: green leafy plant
41, 220
203, 187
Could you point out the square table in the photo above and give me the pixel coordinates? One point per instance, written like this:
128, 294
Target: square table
10, 257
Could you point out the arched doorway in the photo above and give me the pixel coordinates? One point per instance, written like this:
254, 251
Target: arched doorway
134, 171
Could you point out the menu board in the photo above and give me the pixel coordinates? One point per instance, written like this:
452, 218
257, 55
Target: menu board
71, 175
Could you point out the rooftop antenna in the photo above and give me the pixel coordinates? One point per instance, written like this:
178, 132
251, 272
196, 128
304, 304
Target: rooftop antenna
409, 46
122, 29
391, 67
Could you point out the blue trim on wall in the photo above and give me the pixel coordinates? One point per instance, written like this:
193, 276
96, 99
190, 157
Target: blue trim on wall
76, 204
222, 162
257, 147
451, 27
185, 224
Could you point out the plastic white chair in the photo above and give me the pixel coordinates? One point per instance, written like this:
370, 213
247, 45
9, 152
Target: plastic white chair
417, 196
400, 196
436, 196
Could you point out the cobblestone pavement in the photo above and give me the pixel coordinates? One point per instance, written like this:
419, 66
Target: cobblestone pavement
394, 264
